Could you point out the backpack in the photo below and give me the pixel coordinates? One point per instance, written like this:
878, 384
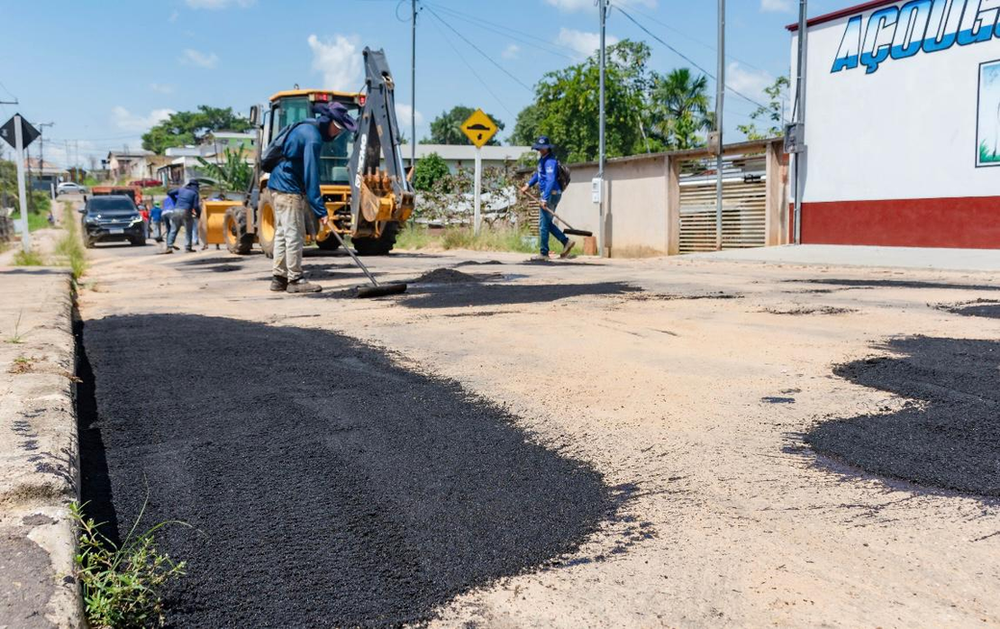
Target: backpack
275, 151
563, 176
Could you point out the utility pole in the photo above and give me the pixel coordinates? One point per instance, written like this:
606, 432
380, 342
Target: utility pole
602, 141
413, 86
800, 118
41, 151
720, 101
22, 196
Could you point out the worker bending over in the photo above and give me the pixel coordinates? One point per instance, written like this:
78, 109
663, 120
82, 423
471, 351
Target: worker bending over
294, 183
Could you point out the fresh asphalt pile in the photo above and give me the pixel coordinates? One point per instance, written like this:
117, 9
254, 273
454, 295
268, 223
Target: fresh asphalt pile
470, 294
948, 437
325, 485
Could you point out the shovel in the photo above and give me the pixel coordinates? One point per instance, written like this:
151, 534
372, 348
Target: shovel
376, 289
570, 230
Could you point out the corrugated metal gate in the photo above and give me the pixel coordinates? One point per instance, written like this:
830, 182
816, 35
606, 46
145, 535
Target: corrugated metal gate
744, 204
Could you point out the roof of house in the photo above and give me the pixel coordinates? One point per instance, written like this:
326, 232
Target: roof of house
129, 153
458, 152
836, 15
234, 135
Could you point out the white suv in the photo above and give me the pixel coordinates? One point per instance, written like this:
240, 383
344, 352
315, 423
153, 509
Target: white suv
68, 187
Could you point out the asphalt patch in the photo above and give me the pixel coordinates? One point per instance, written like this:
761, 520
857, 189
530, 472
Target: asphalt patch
644, 296
222, 268
477, 263
446, 276
209, 261
946, 437
979, 308
325, 485
867, 283
809, 310
479, 294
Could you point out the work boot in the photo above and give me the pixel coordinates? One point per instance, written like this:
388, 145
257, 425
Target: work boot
279, 284
188, 250
175, 247
567, 248
166, 251
302, 286
539, 258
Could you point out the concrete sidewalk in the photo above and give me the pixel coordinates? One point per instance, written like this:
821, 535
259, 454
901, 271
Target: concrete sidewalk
842, 255
39, 463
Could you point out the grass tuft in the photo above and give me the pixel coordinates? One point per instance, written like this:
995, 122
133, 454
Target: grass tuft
17, 338
122, 587
497, 238
28, 258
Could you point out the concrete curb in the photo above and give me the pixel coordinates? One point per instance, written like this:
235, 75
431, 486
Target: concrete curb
39, 451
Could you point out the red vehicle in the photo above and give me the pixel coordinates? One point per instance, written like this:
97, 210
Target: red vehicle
146, 183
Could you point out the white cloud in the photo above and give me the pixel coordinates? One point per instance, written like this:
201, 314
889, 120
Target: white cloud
198, 58
339, 60
583, 43
776, 6
403, 116
580, 5
513, 51
161, 88
218, 4
750, 83
127, 121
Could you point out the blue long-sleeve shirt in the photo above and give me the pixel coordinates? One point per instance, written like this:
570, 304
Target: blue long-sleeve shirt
299, 172
188, 200
547, 177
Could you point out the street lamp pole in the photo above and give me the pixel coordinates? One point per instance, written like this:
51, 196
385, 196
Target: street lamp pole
720, 97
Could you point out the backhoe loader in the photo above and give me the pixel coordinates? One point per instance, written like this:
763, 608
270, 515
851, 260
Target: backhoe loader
363, 181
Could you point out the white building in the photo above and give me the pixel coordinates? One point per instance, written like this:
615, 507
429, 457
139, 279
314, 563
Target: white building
902, 125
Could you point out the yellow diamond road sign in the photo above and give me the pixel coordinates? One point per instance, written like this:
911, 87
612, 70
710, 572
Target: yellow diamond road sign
479, 128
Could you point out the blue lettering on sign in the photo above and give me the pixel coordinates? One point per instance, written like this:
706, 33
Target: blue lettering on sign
919, 25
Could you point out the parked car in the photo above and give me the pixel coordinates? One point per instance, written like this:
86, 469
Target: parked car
69, 187
112, 218
146, 183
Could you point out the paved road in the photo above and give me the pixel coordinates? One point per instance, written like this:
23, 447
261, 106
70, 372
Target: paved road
689, 398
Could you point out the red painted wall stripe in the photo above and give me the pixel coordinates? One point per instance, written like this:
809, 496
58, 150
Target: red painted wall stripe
967, 222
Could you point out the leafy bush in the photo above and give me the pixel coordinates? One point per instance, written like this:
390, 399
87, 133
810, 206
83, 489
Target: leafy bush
428, 171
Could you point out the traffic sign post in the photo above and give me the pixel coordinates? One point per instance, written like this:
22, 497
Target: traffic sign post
480, 130
19, 133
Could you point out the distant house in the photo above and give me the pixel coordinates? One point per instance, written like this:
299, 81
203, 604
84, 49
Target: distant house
184, 162
129, 164
464, 155
43, 174
219, 141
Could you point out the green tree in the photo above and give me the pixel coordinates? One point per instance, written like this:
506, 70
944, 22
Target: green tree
428, 171
772, 114
566, 106
526, 129
447, 128
190, 127
233, 173
680, 109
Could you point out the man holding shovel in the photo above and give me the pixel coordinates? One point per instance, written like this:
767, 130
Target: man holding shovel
547, 178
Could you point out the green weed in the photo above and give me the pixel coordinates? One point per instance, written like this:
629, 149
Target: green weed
413, 237
28, 258
70, 248
17, 338
122, 587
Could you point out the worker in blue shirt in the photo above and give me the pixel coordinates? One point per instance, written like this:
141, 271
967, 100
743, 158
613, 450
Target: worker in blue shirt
547, 178
294, 184
187, 205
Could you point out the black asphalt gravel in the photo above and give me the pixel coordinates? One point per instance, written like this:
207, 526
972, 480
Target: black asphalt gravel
949, 438
460, 295
326, 486
979, 308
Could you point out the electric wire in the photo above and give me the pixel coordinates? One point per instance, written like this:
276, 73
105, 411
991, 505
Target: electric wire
516, 35
485, 85
686, 58
480, 51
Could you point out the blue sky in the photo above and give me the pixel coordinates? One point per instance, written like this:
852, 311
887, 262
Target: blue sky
104, 70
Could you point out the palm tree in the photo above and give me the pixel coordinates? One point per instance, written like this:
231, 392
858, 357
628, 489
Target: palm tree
681, 108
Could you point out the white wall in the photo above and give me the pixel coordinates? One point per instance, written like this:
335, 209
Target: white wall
906, 131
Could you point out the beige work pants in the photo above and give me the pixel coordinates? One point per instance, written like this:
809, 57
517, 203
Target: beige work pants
289, 233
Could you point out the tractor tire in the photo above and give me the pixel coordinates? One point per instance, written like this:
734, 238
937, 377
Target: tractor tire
234, 229
266, 226
377, 246
330, 244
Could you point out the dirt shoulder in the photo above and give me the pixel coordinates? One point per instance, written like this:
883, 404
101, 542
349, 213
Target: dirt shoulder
691, 397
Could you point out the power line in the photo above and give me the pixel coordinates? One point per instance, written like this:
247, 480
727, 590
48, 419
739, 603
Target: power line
479, 50
516, 35
685, 57
694, 39
473, 70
